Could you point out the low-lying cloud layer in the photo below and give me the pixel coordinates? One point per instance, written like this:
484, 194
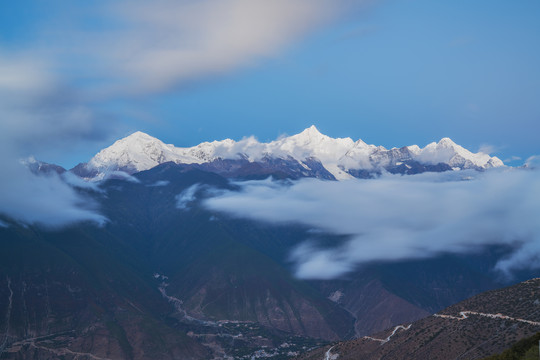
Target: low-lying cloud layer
44, 200
400, 217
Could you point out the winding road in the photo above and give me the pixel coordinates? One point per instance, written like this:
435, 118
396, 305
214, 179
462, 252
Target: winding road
384, 341
328, 355
464, 315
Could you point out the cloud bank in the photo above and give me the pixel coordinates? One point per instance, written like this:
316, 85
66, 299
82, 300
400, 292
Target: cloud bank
43, 200
36, 115
400, 217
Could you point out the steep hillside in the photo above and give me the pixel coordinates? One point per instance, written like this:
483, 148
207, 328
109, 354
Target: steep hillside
524, 349
483, 325
67, 294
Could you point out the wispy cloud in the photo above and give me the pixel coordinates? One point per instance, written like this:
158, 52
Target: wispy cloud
533, 161
35, 115
396, 217
77, 182
154, 46
512, 158
487, 149
38, 111
187, 196
42, 200
159, 183
181, 41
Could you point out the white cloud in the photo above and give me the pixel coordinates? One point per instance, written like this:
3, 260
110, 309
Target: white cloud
533, 161
153, 46
23, 74
43, 200
512, 158
184, 40
37, 112
35, 115
187, 196
397, 217
487, 149
159, 183
77, 182
117, 174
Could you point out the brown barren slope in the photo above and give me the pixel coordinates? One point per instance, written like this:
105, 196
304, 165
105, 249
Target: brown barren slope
472, 329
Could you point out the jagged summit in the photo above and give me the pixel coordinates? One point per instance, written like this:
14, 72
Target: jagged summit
342, 157
136, 152
312, 130
446, 141
310, 134
448, 152
140, 135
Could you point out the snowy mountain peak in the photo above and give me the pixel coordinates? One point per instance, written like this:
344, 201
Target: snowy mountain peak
312, 131
139, 135
136, 139
311, 143
447, 142
309, 135
136, 152
342, 157
414, 149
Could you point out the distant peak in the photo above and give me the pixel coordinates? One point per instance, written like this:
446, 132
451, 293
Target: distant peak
139, 135
312, 131
446, 141
360, 143
140, 151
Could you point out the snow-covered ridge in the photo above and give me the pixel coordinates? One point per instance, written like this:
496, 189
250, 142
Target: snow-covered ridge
341, 156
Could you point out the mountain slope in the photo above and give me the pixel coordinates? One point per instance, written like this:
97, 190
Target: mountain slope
68, 294
525, 349
472, 329
211, 266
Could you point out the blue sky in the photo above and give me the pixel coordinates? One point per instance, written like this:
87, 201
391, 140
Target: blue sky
393, 73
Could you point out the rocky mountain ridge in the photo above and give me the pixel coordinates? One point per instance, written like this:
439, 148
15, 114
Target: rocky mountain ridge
308, 152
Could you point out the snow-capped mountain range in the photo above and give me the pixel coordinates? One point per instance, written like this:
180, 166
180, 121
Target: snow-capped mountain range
340, 158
